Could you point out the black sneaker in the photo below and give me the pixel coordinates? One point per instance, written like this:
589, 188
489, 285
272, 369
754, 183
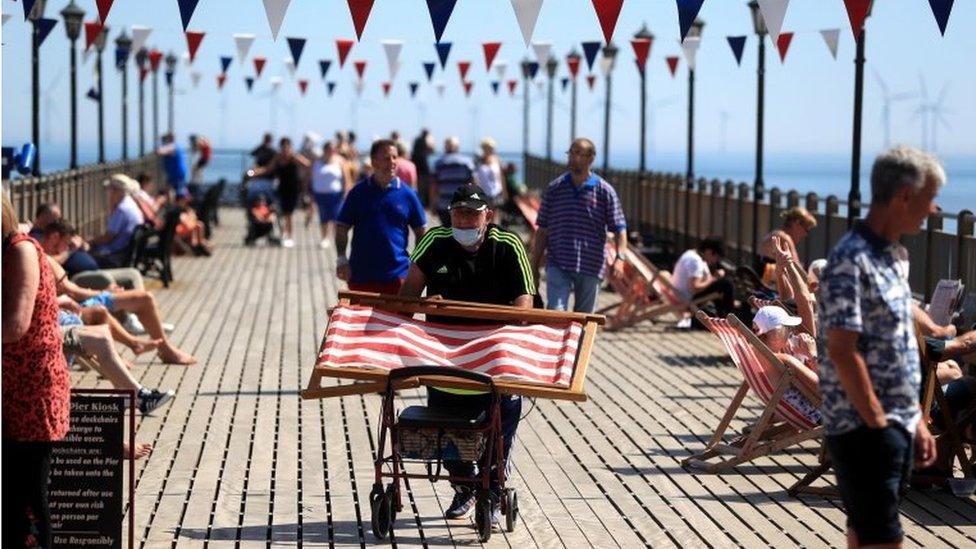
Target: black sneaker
149, 400
462, 504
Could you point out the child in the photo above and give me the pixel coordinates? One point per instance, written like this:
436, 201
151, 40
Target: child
262, 220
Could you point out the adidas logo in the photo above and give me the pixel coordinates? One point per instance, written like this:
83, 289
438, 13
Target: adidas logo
442, 270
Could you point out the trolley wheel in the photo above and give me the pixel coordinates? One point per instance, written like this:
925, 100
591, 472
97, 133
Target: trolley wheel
482, 516
381, 509
511, 509
391, 489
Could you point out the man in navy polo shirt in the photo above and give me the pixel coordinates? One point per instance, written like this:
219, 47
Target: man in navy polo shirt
379, 209
578, 210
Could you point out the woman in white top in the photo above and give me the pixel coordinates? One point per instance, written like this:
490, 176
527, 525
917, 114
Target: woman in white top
331, 178
489, 175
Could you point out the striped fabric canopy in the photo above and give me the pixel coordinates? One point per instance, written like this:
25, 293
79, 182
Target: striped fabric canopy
363, 337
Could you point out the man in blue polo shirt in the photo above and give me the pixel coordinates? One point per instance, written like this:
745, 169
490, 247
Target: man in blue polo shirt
578, 209
174, 163
379, 209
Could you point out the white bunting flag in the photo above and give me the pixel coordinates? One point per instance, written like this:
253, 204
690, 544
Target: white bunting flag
139, 36
243, 43
500, 67
6, 17
290, 65
360, 86
527, 13
606, 64
392, 49
275, 83
439, 86
774, 12
186, 59
394, 70
542, 52
831, 36
195, 78
275, 10
690, 48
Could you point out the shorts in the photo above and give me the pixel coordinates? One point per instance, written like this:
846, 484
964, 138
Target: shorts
288, 197
105, 299
873, 468
328, 206
389, 288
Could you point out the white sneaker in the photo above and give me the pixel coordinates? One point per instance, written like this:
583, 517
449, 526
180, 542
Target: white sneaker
287, 243
325, 244
133, 326
168, 328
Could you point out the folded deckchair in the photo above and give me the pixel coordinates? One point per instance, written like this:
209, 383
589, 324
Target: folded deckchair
781, 424
645, 291
530, 352
528, 205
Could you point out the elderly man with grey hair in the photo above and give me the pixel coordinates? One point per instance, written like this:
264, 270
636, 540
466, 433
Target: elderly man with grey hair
451, 171
869, 372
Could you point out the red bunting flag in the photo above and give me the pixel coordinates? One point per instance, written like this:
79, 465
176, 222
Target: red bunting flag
608, 11
491, 50
591, 80
672, 63
512, 84
857, 11
143, 71
359, 9
303, 86
463, 67
467, 88
783, 44
155, 57
343, 45
386, 88
193, 39
103, 8
92, 30
259, 65
360, 67
573, 63
221, 78
642, 48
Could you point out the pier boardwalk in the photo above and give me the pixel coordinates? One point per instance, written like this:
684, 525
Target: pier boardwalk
241, 460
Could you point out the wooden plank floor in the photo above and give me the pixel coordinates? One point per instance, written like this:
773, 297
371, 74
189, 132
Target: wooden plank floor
241, 460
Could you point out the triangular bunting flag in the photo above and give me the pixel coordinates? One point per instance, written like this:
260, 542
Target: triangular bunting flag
773, 13
104, 6
533, 69
155, 57
463, 67
512, 84
195, 77
275, 82
690, 49
527, 13
343, 45
139, 36
359, 9
738, 44
394, 70
275, 10
249, 82
573, 64
360, 68
429, 69
93, 94
221, 78
467, 85
687, 12
243, 43
259, 65
324, 65
392, 49
6, 17
491, 50
542, 52
941, 9
44, 26
565, 82
494, 87
439, 86
296, 46
831, 37
143, 71
672, 61
290, 65
330, 87
590, 49
443, 50
857, 11
642, 48
303, 86
359, 86
500, 67
386, 88
591, 80
28, 6
92, 30
225, 62
783, 44
607, 11
187, 7
440, 13
193, 39
413, 88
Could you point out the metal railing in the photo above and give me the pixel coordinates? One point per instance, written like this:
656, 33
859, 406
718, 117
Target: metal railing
654, 204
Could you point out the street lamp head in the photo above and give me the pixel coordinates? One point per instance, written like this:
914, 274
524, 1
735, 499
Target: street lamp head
101, 39
73, 17
644, 33
695, 30
573, 54
551, 66
758, 23
171, 61
123, 43
37, 12
142, 57
610, 51
526, 68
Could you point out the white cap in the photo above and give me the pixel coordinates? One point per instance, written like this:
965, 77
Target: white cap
771, 317
816, 267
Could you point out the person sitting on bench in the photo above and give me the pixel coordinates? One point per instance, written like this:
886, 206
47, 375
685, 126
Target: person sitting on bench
472, 260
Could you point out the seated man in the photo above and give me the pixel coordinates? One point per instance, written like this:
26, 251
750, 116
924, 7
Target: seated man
693, 276
472, 260
58, 241
110, 249
43, 216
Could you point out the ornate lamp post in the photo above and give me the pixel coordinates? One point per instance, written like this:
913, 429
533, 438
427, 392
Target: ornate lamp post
171, 61
759, 189
854, 196
99, 48
35, 16
123, 47
643, 35
573, 57
73, 17
142, 59
694, 32
551, 66
609, 57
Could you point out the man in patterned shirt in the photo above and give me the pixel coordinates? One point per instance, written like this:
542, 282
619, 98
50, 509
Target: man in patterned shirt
870, 372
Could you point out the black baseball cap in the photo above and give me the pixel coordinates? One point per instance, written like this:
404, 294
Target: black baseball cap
469, 196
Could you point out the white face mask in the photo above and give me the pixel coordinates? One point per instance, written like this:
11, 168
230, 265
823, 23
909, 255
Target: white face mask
466, 237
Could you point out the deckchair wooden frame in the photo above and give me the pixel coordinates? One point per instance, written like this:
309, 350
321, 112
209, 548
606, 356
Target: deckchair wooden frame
371, 381
765, 435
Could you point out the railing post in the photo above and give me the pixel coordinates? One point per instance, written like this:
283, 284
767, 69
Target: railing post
700, 200
775, 205
743, 198
933, 224
793, 199
964, 230
716, 200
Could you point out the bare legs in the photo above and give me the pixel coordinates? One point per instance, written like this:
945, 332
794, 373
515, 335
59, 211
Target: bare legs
100, 315
143, 305
97, 341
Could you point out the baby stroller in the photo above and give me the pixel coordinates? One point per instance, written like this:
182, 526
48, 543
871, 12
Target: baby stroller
252, 192
420, 434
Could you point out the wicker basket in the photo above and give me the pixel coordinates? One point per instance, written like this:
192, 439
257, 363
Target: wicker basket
432, 443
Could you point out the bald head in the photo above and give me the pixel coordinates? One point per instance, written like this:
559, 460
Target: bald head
452, 145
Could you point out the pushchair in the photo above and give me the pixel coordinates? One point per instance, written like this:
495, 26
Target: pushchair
253, 190
421, 434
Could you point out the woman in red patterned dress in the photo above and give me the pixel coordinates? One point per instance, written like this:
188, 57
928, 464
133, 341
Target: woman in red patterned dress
36, 386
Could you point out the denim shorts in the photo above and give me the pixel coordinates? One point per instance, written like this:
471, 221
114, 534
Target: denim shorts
105, 299
873, 468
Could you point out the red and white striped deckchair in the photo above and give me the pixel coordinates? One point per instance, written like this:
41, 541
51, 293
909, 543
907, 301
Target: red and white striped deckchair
527, 351
528, 205
781, 424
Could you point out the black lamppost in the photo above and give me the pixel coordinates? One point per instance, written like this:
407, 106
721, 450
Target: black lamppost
759, 189
551, 66
123, 47
644, 35
154, 57
35, 16
73, 17
854, 196
609, 56
99, 48
573, 58
526, 70
170, 73
694, 33
142, 59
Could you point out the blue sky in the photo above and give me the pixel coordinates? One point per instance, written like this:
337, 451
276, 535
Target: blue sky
809, 98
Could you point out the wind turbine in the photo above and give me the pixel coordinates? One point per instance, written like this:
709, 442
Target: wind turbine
931, 114
937, 111
652, 110
887, 98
